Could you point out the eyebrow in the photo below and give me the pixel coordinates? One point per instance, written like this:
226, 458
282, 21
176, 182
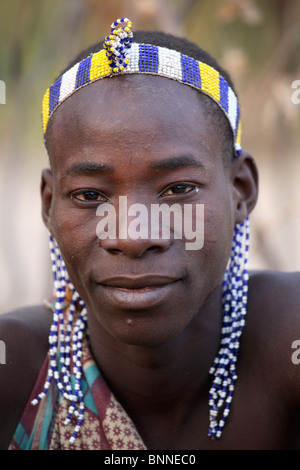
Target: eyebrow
87, 168
185, 161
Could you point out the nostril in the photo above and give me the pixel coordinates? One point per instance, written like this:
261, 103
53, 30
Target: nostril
133, 248
154, 248
114, 251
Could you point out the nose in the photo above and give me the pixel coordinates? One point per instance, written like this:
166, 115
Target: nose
135, 248
130, 231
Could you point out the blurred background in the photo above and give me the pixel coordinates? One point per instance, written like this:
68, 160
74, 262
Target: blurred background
258, 41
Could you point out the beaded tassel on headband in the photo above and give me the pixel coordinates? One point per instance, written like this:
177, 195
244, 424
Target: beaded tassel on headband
235, 294
120, 55
117, 45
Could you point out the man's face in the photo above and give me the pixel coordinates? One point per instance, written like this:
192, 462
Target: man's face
149, 139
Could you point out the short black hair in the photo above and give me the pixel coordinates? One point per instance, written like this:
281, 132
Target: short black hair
186, 47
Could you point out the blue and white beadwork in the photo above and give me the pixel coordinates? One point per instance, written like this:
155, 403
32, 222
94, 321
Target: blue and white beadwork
235, 296
60, 339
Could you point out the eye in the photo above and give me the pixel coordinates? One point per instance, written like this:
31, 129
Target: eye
179, 188
89, 196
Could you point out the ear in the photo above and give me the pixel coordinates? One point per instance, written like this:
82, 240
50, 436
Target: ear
244, 177
46, 194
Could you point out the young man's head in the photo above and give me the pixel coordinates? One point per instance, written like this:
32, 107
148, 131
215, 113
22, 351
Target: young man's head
152, 140
143, 127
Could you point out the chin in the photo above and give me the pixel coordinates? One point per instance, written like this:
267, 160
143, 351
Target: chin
146, 329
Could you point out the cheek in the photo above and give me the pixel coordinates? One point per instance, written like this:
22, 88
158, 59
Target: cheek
218, 229
75, 233
218, 234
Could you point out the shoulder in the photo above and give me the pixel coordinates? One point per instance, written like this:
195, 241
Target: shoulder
24, 344
275, 296
24, 333
273, 326
34, 321
274, 304
267, 283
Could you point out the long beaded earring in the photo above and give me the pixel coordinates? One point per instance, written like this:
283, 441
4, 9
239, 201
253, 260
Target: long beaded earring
63, 342
235, 294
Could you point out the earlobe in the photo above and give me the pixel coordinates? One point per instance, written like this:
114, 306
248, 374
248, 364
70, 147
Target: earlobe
46, 195
245, 185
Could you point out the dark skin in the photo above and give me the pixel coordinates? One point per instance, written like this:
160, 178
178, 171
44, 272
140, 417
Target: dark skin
154, 308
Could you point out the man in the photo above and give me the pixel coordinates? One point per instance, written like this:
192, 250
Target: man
145, 310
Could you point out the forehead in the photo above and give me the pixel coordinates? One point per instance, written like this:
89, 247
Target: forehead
133, 113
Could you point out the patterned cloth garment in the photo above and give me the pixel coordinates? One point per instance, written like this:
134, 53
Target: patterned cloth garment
106, 425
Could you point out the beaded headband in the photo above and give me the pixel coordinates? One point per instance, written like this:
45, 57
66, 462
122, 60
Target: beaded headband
121, 55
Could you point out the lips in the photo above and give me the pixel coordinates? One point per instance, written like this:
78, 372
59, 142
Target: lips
138, 282
137, 292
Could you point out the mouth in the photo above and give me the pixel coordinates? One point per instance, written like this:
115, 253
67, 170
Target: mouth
138, 292
139, 282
